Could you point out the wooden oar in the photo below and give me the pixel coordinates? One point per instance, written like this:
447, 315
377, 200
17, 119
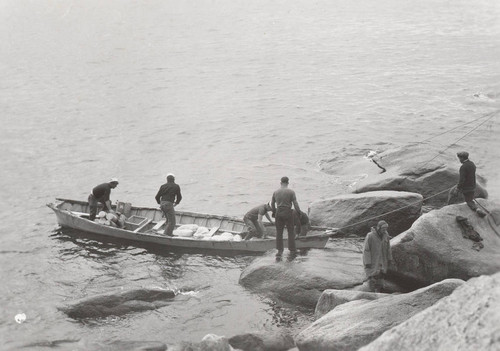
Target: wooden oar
213, 231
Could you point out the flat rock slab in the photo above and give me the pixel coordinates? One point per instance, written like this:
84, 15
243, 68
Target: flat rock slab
301, 281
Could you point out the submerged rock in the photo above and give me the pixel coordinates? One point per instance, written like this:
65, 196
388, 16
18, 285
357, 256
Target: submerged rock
468, 319
434, 248
358, 212
357, 323
118, 304
280, 341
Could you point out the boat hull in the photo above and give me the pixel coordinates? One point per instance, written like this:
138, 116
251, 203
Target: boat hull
74, 220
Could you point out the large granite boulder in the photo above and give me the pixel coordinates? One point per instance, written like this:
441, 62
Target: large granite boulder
468, 319
418, 168
332, 298
118, 304
357, 323
356, 213
302, 280
434, 248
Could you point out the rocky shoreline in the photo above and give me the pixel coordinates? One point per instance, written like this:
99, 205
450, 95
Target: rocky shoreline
442, 293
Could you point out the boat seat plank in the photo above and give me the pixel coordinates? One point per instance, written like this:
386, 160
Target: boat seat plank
159, 224
142, 225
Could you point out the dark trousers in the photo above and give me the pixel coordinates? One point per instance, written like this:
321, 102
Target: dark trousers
93, 204
169, 212
284, 218
469, 199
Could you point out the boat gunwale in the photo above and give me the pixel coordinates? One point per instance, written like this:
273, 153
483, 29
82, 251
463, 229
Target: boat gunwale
199, 215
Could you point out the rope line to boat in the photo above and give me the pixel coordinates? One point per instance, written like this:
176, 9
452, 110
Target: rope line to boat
489, 115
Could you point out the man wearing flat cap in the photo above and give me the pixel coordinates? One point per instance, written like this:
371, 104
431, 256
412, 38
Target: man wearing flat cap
281, 204
467, 182
101, 194
168, 197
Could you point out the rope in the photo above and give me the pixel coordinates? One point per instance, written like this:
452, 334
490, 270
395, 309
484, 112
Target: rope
489, 115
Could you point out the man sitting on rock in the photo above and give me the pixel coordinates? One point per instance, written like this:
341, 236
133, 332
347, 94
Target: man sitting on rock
467, 182
377, 255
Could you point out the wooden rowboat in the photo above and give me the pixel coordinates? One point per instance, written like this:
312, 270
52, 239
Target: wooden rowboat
144, 225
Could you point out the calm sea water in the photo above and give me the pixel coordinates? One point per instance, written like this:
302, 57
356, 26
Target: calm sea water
229, 96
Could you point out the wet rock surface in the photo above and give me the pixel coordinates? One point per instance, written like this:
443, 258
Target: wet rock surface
302, 280
117, 304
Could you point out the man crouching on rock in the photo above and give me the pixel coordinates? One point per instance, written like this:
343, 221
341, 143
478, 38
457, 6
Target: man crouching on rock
377, 255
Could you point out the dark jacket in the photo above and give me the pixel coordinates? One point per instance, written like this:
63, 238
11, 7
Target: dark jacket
102, 192
169, 192
467, 181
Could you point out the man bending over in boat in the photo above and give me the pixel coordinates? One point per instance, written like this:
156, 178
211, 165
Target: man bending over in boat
253, 220
168, 197
101, 194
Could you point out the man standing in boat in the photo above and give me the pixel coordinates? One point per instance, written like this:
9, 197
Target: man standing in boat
253, 220
281, 204
168, 197
101, 194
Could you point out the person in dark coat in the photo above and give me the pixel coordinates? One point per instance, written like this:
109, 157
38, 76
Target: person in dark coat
100, 194
467, 182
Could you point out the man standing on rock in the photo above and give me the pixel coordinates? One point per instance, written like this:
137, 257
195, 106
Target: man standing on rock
377, 255
467, 182
281, 205
168, 197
